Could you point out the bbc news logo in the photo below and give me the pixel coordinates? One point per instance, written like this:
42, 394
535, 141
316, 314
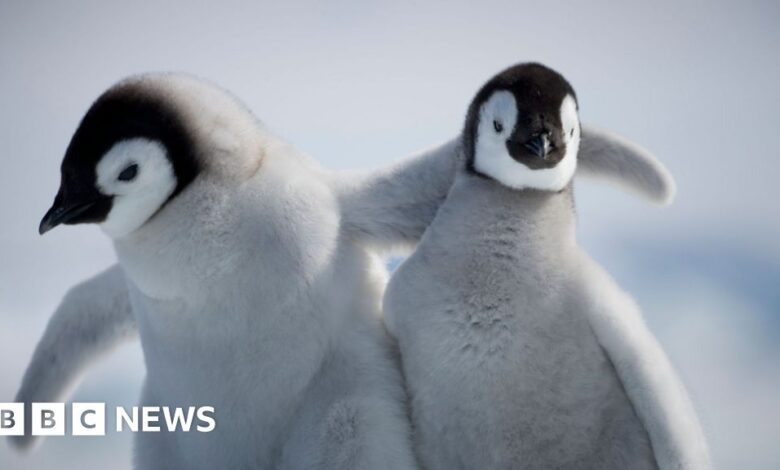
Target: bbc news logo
89, 419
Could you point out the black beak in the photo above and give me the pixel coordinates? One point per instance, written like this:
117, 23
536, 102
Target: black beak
538, 145
62, 213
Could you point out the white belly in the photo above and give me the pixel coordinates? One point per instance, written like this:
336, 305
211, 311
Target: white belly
502, 380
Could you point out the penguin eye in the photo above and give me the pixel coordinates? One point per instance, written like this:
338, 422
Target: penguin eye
498, 126
129, 173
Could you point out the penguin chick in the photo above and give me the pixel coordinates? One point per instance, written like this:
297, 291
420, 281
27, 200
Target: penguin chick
246, 296
383, 209
517, 349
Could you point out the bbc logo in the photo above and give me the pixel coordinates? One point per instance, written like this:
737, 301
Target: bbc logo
48, 419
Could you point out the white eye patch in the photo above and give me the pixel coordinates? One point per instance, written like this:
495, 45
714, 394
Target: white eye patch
139, 197
492, 158
500, 110
571, 126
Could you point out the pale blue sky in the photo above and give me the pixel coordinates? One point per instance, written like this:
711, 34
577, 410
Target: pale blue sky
360, 84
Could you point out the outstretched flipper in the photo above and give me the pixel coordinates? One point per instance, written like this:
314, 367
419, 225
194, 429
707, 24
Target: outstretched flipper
606, 155
390, 208
652, 386
92, 320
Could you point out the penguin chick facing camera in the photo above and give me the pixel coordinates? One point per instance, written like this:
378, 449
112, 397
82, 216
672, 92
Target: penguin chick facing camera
245, 295
518, 350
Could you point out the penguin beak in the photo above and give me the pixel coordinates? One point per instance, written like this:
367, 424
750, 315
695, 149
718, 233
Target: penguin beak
539, 145
63, 212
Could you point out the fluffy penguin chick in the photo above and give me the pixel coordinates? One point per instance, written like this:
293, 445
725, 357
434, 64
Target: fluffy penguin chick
245, 293
518, 350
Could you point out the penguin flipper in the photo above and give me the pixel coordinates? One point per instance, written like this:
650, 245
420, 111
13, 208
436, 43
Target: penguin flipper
606, 155
648, 377
94, 317
391, 208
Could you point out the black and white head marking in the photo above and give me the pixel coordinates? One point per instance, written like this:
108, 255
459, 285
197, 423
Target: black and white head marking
130, 155
522, 129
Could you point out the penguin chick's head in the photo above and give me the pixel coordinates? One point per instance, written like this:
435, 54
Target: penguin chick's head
131, 154
128, 157
522, 129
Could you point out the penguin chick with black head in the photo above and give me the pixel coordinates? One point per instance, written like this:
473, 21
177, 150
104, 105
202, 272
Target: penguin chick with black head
245, 294
518, 350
